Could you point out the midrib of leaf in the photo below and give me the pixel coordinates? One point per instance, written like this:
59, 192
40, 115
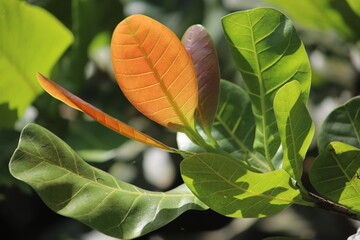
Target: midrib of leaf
158, 78
241, 144
92, 181
352, 122
20, 71
292, 139
262, 96
344, 172
247, 190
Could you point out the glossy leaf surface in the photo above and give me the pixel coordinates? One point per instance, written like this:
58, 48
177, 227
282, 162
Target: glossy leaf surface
295, 126
268, 53
73, 188
342, 124
228, 188
201, 49
73, 101
31, 40
155, 72
335, 174
325, 15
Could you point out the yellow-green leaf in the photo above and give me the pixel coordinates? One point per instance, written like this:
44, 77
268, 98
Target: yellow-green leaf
31, 40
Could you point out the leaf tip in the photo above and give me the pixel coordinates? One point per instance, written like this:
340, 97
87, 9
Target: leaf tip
56, 91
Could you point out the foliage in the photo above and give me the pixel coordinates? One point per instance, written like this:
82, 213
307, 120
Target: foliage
22, 56
325, 15
243, 146
73, 188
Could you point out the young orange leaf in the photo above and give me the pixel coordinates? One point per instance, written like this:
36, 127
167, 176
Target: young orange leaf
201, 49
155, 72
73, 101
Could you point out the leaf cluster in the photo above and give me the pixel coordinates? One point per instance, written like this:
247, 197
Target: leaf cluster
243, 148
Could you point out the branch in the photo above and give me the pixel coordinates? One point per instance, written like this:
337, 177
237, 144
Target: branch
326, 204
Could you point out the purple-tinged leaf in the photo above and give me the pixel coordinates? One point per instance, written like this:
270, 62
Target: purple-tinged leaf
201, 49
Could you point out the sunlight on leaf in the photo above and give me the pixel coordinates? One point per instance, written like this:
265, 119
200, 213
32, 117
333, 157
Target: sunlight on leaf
295, 126
73, 101
73, 188
268, 53
355, 5
335, 174
325, 15
31, 40
155, 72
229, 189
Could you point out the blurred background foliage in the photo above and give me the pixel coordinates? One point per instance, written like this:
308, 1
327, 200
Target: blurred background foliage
69, 41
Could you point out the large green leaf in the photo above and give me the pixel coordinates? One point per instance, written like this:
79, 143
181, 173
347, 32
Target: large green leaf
268, 54
295, 126
31, 40
335, 174
72, 188
325, 15
234, 127
230, 189
355, 5
343, 125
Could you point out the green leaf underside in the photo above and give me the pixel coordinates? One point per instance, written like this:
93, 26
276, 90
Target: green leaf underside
342, 125
335, 174
31, 40
228, 188
268, 54
233, 128
73, 188
295, 126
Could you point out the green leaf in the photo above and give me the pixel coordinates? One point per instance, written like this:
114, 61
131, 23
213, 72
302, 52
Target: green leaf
230, 189
8, 117
71, 187
343, 125
324, 15
355, 5
94, 145
295, 126
234, 127
268, 53
31, 40
335, 174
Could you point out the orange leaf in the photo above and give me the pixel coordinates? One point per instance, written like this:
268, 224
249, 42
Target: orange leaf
155, 72
73, 101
